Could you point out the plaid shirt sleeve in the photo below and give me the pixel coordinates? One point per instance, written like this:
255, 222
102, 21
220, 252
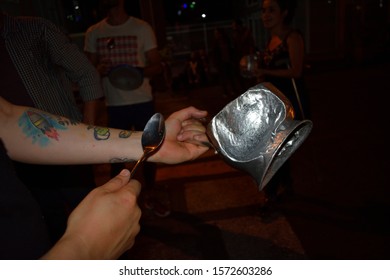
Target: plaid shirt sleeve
76, 65
47, 62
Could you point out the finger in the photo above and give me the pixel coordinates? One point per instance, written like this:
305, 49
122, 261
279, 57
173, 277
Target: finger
188, 113
199, 114
133, 186
190, 128
192, 135
195, 129
118, 181
193, 123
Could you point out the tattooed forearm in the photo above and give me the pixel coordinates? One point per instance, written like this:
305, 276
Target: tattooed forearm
103, 133
67, 122
125, 134
100, 133
41, 127
120, 160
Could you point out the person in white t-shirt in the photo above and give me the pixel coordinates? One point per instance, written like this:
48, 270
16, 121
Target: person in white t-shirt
120, 39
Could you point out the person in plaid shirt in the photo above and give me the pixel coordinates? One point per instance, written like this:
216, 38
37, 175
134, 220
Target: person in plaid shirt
39, 66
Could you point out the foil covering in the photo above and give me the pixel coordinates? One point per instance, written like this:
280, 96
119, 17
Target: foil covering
257, 132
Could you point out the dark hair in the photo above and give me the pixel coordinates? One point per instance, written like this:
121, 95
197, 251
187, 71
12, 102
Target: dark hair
289, 6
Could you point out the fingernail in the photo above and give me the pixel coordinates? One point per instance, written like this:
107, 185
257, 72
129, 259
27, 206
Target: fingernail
184, 123
125, 172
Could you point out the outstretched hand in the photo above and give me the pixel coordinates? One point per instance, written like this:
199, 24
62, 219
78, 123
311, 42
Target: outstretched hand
185, 137
104, 225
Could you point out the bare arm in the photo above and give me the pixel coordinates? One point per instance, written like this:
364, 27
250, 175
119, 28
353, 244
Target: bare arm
33, 136
296, 52
154, 66
102, 66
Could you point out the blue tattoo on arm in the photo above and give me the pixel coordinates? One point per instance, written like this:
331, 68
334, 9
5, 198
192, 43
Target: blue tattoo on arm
41, 127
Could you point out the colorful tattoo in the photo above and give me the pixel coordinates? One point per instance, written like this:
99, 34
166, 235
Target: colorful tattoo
124, 134
67, 122
41, 127
120, 160
100, 133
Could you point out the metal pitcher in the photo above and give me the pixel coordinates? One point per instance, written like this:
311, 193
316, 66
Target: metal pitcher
257, 132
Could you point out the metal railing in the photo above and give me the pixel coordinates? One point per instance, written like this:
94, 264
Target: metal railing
183, 39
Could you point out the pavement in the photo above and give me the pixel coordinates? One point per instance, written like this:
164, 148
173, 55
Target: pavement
340, 208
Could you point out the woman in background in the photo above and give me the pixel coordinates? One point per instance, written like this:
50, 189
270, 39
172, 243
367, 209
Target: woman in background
282, 63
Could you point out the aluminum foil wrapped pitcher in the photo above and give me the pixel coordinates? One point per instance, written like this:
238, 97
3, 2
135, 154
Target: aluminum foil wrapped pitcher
257, 132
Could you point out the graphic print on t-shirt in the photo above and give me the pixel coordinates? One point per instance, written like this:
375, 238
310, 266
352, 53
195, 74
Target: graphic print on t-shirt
118, 49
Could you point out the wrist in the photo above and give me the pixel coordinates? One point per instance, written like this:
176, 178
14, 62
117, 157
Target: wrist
134, 147
69, 248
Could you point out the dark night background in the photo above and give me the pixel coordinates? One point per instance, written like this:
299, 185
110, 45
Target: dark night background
341, 208
190, 13
215, 10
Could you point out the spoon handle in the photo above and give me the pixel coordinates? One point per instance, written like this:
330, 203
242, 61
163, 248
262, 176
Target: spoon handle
142, 159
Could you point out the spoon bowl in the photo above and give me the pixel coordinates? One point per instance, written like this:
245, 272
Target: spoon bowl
152, 138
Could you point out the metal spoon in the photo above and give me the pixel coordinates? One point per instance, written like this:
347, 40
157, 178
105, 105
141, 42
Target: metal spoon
152, 138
